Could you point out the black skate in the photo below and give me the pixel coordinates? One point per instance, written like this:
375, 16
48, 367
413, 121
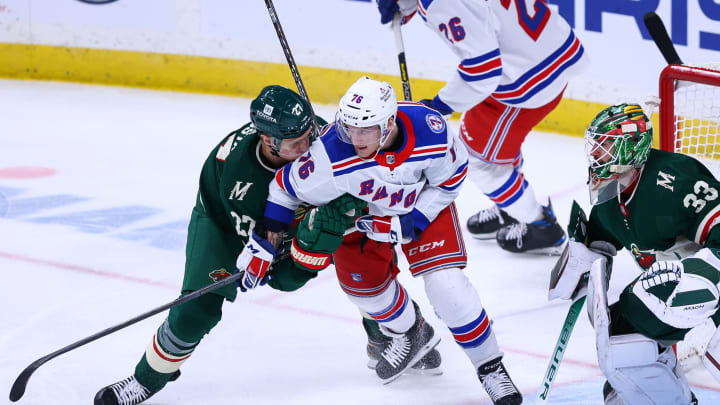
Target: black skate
126, 392
406, 349
378, 342
486, 223
497, 383
544, 236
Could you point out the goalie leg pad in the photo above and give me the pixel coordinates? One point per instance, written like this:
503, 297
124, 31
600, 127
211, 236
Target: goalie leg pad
457, 303
711, 358
631, 362
641, 375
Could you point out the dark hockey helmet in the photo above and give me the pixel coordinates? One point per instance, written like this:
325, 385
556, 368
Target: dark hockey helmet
280, 113
617, 141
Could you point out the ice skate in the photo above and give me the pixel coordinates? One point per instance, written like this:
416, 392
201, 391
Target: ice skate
378, 342
544, 236
486, 223
126, 392
405, 349
497, 383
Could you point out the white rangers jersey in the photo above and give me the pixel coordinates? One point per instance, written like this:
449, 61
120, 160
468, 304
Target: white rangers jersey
517, 51
421, 178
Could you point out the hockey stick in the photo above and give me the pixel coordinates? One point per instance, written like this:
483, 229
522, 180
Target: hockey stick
291, 63
560, 346
401, 56
18, 387
659, 34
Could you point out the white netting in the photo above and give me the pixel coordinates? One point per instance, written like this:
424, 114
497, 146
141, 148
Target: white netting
697, 133
697, 120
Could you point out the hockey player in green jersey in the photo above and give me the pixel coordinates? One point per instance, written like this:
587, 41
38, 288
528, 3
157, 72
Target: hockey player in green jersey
228, 212
663, 208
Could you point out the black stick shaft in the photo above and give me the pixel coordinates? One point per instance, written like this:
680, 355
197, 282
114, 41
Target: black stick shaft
659, 34
291, 62
18, 388
401, 57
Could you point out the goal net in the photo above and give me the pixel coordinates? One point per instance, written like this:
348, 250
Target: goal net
690, 124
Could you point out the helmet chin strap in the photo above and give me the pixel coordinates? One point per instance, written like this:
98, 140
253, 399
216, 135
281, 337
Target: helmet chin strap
384, 137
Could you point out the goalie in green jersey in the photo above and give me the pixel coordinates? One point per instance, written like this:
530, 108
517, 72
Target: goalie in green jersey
227, 216
664, 209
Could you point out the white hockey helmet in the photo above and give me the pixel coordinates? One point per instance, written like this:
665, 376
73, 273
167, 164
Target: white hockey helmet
366, 103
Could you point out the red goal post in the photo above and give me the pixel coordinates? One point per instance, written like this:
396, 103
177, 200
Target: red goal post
690, 124
690, 111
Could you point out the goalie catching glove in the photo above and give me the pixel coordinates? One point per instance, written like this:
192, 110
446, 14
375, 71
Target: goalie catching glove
255, 260
682, 294
321, 232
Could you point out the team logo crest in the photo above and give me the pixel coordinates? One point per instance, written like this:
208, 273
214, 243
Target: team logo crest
356, 276
297, 110
220, 274
644, 259
435, 122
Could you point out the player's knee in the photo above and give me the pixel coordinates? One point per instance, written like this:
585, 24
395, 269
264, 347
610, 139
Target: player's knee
453, 297
194, 319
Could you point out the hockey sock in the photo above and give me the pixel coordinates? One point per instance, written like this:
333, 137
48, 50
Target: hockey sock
176, 339
463, 314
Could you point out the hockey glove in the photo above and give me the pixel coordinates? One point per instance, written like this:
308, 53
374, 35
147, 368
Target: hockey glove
438, 105
350, 206
255, 260
392, 229
388, 8
578, 223
318, 236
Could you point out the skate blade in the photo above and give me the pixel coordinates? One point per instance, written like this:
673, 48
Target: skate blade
371, 364
548, 251
419, 355
484, 236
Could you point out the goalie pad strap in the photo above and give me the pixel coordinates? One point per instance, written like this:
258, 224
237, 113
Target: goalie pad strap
314, 261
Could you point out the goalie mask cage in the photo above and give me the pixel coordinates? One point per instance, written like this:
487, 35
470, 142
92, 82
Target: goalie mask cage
690, 112
690, 124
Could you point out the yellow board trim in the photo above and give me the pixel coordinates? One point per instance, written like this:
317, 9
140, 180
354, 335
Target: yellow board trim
228, 77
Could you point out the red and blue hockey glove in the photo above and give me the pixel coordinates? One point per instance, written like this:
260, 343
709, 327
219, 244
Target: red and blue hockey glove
388, 8
438, 105
392, 229
255, 260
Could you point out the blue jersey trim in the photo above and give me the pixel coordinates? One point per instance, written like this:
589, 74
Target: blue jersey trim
279, 213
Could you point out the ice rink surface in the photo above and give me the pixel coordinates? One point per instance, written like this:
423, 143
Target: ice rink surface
96, 188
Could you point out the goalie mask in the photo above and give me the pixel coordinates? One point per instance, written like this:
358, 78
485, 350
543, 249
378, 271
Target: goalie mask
617, 144
364, 113
280, 113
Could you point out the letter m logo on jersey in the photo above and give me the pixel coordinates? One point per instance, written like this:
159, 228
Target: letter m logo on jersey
238, 192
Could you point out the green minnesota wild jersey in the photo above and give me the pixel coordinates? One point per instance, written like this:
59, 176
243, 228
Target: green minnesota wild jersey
234, 182
671, 213
231, 199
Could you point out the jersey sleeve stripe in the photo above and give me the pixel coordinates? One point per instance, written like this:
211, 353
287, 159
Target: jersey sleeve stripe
455, 181
542, 75
481, 67
710, 220
286, 180
422, 8
279, 213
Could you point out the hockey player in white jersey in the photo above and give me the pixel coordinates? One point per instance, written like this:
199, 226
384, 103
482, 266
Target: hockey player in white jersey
409, 168
516, 58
